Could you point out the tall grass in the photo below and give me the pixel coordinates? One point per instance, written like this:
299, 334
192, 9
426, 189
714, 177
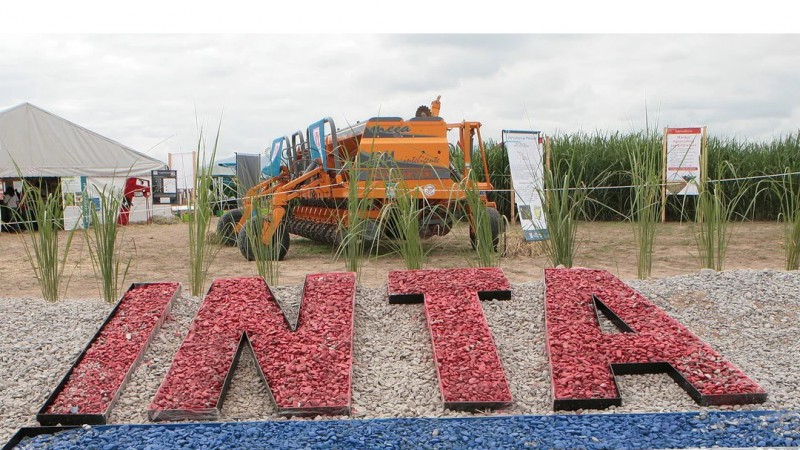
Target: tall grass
564, 196
353, 228
266, 256
108, 261
43, 241
787, 190
715, 210
201, 251
400, 223
645, 162
485, 224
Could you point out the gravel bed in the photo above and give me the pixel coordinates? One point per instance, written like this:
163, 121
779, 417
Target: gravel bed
751, 317
39, 341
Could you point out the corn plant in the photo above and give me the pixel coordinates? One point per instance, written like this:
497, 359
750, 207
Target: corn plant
604, 157
201, 253
645, 163
604, 151
787, 190
715, 209
109, 264
42, 243
776, 156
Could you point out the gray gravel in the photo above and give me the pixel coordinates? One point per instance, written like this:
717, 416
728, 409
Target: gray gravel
38, 343
751, 317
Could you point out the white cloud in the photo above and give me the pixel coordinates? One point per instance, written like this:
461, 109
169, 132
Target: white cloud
143, 89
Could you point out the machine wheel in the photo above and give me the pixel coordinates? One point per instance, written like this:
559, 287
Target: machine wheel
435, 223
495, 223
225, 227
247, 250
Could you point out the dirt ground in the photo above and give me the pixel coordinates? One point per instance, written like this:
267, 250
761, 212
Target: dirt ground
159, 253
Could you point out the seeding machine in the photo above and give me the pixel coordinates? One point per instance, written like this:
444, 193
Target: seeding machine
313, 176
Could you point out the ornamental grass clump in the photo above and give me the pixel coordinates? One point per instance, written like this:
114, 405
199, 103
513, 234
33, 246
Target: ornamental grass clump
645, 210
565, 195
787, 190
108, 260
400, 222
266, 256
715, 210
43, 241
352, 229
485, 225
201, 251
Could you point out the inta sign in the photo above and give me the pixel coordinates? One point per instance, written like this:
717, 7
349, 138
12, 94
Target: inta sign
307, 364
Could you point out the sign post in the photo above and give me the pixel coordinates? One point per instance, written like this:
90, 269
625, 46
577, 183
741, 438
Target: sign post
684, 163
525, 158
165, 187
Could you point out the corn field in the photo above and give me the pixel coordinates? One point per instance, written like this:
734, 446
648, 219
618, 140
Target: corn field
605, 157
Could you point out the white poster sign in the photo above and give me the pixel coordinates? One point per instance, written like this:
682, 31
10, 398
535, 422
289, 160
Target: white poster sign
184, 163
525, 150
683, 147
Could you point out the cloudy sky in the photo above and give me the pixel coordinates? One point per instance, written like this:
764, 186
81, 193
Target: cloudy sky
149, 91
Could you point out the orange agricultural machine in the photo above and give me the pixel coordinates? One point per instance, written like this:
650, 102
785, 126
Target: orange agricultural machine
313, 176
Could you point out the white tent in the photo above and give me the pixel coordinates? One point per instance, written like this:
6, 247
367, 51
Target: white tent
45, 145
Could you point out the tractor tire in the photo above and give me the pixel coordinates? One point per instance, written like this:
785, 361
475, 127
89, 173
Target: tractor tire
249, 252
226, 227
435, 224
495, 224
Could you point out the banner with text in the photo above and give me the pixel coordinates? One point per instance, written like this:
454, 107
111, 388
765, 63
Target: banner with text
683, 147
525, 161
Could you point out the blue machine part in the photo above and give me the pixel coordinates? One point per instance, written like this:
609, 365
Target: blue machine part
316, 139
273, 166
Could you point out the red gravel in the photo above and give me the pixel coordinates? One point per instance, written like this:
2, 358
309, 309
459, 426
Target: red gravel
306, 370
467, 364
581, 354
112, 354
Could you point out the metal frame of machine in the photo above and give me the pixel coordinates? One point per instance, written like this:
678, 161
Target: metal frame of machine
316, 170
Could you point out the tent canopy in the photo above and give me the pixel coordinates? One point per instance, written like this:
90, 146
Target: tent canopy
42, 144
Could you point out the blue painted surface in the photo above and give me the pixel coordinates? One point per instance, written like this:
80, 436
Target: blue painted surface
588, 431
273, 163
316, 149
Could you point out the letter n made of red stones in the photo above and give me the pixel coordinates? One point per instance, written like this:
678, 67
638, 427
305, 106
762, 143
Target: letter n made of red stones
306, 365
